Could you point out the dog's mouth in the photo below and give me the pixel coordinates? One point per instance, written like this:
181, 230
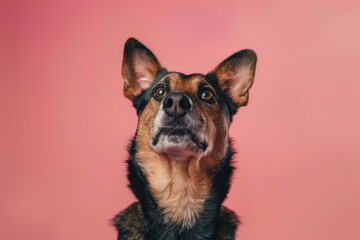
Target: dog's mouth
178, 143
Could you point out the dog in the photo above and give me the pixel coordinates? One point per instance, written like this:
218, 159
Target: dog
180, 163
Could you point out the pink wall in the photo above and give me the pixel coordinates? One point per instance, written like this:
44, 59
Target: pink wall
65, 124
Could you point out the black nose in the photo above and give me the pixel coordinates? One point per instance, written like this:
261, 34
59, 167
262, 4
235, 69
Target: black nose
177, 104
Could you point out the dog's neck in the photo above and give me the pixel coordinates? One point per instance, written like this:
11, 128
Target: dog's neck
180, 194
180, 188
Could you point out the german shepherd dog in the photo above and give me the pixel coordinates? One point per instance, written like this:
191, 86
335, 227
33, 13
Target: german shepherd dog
180, 163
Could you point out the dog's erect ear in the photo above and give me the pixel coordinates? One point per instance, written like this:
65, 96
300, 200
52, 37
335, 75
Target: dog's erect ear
236, 75
138, 69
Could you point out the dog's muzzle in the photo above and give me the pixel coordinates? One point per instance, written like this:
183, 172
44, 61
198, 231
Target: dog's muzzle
178, 130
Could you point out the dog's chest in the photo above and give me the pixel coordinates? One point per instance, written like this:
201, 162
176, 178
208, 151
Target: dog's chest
179, 193
131, 225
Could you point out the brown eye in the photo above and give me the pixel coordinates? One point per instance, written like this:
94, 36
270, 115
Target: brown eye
160, 92
207, 95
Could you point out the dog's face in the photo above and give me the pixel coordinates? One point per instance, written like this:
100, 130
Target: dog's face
185, 116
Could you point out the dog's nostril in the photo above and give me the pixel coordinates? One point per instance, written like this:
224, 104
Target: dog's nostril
185, 103
168, 102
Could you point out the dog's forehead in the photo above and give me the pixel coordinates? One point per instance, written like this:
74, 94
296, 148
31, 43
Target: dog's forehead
179, 81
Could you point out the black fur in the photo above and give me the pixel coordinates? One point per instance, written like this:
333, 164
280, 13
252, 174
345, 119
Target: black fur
207, 224
140, 101
228, 106
144, 220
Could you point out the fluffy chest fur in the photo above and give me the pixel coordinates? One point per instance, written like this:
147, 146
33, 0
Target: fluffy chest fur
179, 188
165, 206
132, 225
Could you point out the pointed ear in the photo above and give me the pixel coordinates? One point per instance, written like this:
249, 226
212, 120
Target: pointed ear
236, 75
139, 68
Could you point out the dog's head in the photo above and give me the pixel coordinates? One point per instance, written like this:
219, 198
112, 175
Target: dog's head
185, 116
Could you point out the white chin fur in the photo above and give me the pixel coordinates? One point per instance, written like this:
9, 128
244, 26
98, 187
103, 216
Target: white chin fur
177, 148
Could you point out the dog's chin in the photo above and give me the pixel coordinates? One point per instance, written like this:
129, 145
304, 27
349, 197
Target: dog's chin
179, 148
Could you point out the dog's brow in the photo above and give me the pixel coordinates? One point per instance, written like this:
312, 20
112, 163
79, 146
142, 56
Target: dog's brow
167, 76
203, 82
165, 80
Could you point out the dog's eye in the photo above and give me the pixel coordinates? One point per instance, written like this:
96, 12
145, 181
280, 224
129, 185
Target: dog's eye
160, 92
207, 95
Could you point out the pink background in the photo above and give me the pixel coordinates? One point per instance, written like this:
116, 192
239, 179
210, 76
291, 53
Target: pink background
65, 124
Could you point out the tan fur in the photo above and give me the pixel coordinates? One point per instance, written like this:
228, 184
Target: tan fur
131, 222
236, 83
136, 80
181, 187
133, 225
178, 169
